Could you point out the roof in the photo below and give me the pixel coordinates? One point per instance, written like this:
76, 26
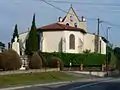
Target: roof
59, 27
105, 40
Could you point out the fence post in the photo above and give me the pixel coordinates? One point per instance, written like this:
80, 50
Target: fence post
58, 64
108, 68
103, 67
70, 66
81, 67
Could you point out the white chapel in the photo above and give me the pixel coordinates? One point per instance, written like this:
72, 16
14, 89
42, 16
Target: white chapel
69, 35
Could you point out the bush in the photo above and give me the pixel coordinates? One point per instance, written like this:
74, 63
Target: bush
35, 61
56, 62
10, 60
43, 59
2, 61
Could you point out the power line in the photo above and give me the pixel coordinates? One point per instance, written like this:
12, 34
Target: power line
82, 3
93, 19
112, 24
85, 3
102, 29
46, 1
105, 22
61, 9
105, 34
53, 6
100, 10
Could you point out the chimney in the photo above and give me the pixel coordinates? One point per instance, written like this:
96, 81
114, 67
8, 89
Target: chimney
83, 19
60, 19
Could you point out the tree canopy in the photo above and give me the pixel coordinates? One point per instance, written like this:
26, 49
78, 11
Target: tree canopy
15, 34
2, 46
32, 40
117, 52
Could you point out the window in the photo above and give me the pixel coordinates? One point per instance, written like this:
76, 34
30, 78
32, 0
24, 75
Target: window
71, 18
72, 41
75, 25
67, 24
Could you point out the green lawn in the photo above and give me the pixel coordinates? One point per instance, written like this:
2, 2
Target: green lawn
34, 78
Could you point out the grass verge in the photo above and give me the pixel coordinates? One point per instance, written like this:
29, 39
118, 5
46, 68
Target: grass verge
34, 78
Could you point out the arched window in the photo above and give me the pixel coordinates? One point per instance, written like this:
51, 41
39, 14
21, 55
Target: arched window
71, 18
72, 41
67, 24
75, 25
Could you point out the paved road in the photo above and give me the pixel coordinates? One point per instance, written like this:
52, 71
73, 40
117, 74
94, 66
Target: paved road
113, 84
56, 87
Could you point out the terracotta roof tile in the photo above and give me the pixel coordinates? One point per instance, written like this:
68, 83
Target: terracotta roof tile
59, 27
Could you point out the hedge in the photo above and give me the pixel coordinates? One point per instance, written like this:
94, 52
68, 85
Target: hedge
77, 59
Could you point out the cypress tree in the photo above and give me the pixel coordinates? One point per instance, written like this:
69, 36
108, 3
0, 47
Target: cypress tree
32, 40
15, 34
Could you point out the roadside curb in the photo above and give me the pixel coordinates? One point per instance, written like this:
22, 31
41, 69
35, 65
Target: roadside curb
54, 83
34, 85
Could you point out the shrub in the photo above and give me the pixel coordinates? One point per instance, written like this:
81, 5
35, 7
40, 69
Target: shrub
43, 59
35, 61
55, 61
117, 55
10, 60
2, 61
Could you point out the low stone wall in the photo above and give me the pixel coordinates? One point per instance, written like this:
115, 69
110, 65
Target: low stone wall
114, 73
28, 71
100, 74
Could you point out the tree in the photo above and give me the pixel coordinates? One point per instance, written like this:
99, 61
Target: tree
110, 47
117, 55
117, 52
109, 57
15, 34
32, 40
2, 46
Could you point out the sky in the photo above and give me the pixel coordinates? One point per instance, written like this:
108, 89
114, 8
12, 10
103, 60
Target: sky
20, 12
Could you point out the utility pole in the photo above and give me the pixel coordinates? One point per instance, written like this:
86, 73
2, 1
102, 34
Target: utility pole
98, 27
97, 38
107, 49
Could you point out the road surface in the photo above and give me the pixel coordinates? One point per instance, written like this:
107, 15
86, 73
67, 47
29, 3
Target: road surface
110, 84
